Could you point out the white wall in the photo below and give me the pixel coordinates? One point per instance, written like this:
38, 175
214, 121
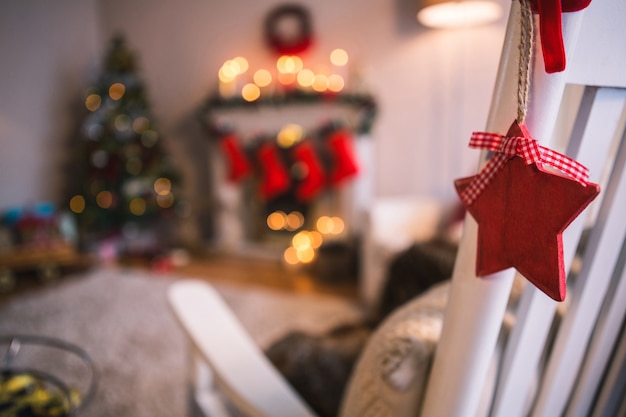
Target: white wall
47, 50
433, 87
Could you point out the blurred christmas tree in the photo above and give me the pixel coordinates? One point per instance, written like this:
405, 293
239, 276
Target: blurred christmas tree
125, 181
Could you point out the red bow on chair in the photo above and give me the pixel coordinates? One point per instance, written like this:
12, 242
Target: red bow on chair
551, 31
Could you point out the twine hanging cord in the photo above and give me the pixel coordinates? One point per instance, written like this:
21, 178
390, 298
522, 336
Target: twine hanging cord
525, 147
525, 59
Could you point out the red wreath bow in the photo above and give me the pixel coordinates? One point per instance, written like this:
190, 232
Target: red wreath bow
507, 147
551, 31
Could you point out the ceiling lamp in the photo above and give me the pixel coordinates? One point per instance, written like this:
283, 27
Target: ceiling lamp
448, 14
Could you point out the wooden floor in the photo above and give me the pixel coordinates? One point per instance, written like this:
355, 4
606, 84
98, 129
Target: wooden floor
267, 273
238, 270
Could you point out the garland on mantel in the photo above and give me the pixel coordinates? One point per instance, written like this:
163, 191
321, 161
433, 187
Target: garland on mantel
364, 104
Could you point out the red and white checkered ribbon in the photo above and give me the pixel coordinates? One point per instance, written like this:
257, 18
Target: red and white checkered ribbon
526, 148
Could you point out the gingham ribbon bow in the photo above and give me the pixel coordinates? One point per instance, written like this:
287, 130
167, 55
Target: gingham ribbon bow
526, 148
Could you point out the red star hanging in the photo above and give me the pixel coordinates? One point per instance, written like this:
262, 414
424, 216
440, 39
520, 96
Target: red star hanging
522, 210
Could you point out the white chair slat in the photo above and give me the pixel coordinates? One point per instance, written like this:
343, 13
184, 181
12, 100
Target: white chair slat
591, 285
535, 312
601, 347
612, 394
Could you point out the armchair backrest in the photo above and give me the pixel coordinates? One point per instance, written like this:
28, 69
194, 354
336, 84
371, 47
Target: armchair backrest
561, 358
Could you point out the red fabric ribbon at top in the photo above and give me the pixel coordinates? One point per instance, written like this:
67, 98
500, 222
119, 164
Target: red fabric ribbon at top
507, 147
551, 32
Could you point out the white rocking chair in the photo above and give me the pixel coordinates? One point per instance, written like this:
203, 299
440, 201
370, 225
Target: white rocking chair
573, 366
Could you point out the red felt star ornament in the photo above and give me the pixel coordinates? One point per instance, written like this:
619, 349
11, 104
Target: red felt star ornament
521, 217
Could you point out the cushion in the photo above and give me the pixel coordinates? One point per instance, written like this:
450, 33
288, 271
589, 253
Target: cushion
391, 373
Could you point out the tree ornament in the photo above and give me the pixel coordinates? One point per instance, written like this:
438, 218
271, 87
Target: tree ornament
313, 181
344, 160
275, 177
239, 167
522, 208
521, 203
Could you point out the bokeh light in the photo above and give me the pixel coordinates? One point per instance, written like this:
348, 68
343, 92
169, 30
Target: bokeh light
116, 91
250, 92
288, 64
330, 225
277, 220
93, 101
262, 78
305, 78
240, 64
339, 57
306, 255
291, 256
320, 83
295, 220
165, 200
104, 199
140, 124
335, 83
162, 186
301, 241
289, 135
137, 206
77, 204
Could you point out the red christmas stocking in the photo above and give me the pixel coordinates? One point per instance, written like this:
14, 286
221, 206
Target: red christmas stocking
237, 161
313, 174
345, 164
275, 177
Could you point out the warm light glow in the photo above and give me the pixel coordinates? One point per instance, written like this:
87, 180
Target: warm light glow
320, 83
162, 186
305, 78
306, 255
454, 14
166, 200
287, 78
239, 64
291, 256
294, 220
289, 64
301, 241
330, 225
122, 123
316, 239
77, 204
324, 225
116, 91
137, 206
92, 102
262, 78
276, 220
338, 225
339, 57
104, 199
250, 92
140, 124
335, 83
289, 135
226, 73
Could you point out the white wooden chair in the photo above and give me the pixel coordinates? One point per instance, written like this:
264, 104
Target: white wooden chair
573, 366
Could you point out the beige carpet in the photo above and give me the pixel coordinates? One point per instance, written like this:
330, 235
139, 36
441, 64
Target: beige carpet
121, 318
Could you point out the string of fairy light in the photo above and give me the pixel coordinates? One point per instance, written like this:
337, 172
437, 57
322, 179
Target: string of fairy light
304, 244
291, 71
